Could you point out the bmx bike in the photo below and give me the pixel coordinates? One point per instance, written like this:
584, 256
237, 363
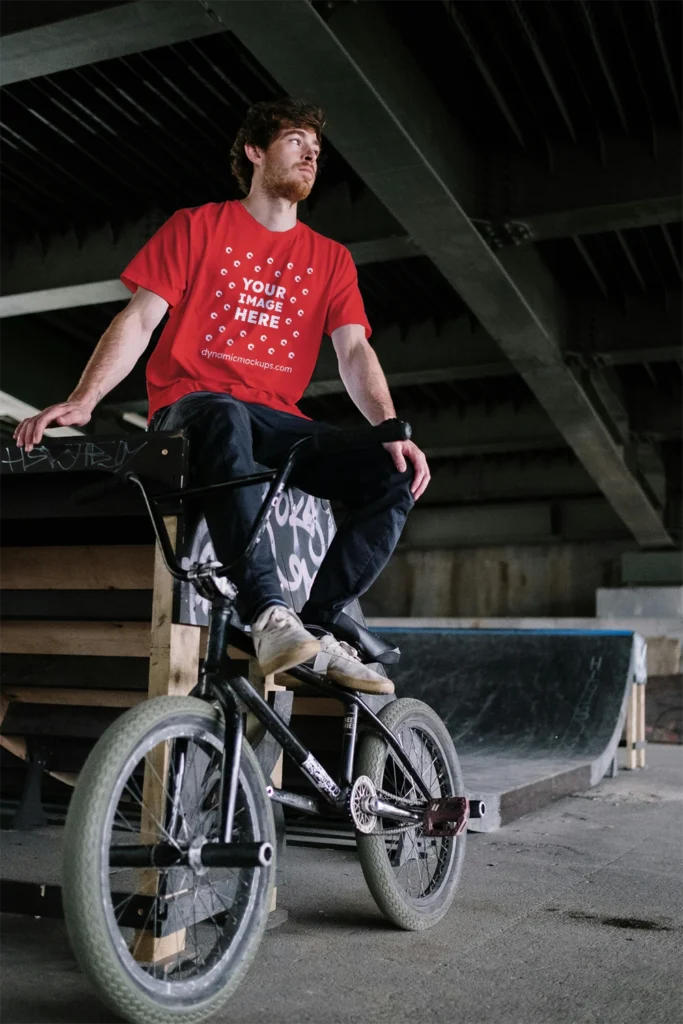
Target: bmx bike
169, 862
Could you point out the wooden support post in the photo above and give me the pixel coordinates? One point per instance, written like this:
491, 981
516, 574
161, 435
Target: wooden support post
264, 685
631, 727
17, 746
173, 669
640, 732
174, 649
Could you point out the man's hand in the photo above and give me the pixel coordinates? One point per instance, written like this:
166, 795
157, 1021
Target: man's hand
402, 450
66, 414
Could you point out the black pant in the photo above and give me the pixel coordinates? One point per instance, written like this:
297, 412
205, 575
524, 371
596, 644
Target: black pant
230, 438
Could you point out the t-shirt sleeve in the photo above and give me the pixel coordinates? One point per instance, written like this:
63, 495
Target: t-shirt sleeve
346, 302
161, 266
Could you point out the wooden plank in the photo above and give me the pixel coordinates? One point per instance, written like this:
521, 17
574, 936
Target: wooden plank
173, 669
322, 706
88, 567
89, 698
174, 650
264, 685
51, 721
97, 639
17, 745
104, 639
81, 673
631, 723
76, 605
148, 949
640, 733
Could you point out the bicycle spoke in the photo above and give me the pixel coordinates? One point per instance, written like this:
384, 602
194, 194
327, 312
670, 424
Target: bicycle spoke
419, 862
197, 916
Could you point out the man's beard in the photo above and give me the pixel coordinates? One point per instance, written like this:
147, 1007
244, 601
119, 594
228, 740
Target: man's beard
294, 188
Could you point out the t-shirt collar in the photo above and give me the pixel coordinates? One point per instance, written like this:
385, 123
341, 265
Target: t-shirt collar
256, 225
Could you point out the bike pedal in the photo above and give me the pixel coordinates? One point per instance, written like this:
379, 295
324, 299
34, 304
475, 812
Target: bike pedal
446, 817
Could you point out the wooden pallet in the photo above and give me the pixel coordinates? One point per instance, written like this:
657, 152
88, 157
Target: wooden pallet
173, 650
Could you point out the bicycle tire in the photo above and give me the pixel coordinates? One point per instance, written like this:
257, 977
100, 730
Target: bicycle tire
89, 917
403, 908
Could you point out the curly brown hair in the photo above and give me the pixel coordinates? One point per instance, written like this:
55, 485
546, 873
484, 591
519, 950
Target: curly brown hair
263, 123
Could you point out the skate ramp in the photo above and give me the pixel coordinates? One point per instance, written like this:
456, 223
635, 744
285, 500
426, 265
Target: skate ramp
534, 714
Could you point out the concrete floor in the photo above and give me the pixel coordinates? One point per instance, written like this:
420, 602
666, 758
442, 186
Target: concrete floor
571, 916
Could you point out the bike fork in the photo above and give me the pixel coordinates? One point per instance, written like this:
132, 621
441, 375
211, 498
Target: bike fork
230, 769
216, 669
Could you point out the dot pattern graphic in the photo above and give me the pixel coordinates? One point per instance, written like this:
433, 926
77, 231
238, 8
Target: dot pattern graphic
277, 274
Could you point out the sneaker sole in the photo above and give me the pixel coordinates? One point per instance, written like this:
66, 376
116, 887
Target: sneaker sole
292, 657
361, 685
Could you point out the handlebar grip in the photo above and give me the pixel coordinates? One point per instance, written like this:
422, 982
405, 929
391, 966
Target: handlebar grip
361, 437
85, 495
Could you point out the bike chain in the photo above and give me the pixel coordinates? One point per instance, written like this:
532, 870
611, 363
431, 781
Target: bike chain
397, 829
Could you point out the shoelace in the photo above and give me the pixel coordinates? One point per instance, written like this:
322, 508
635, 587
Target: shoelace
332, 646
278, 618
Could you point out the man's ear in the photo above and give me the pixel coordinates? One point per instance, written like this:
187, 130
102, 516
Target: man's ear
253, 153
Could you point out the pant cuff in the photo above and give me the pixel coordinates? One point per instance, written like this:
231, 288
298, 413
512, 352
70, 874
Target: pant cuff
261, 607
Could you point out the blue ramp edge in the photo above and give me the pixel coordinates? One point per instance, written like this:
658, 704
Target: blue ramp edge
534, 714
503, 632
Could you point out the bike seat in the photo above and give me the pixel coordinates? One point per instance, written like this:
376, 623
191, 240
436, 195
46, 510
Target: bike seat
372, 648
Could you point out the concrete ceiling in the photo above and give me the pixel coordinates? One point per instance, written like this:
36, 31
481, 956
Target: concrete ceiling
514, 211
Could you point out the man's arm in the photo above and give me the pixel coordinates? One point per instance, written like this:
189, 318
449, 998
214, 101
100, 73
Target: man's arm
363, 378
117, 352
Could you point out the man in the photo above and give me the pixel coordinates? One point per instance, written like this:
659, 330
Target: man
251, 290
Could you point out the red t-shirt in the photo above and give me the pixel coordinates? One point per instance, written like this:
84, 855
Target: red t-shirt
248, 306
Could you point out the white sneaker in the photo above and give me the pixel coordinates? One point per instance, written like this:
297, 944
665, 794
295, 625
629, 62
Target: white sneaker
342, 663
280, 640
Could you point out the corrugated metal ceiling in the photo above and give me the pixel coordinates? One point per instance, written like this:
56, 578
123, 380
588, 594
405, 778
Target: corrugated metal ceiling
534, 73
108, 142
616, 264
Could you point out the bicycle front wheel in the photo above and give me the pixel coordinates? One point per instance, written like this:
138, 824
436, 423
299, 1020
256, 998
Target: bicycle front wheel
163, 944
412, 877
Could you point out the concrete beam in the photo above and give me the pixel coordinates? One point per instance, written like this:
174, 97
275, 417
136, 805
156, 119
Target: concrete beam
72, 272
528, 522
641, 332
515, 477
406, 148
478, 430
655, 416
39, 365
628, 186
14, 409
88, 38
383, 250
424, 354
75, 272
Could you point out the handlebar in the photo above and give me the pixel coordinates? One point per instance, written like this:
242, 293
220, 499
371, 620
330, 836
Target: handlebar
326, 443
361, 437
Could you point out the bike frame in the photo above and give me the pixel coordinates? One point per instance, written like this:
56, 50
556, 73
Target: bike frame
219, 681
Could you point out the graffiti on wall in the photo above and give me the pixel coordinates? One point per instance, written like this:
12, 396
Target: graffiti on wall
299, 532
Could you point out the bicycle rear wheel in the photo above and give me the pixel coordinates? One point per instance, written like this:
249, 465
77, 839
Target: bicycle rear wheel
163, 944
412, 877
